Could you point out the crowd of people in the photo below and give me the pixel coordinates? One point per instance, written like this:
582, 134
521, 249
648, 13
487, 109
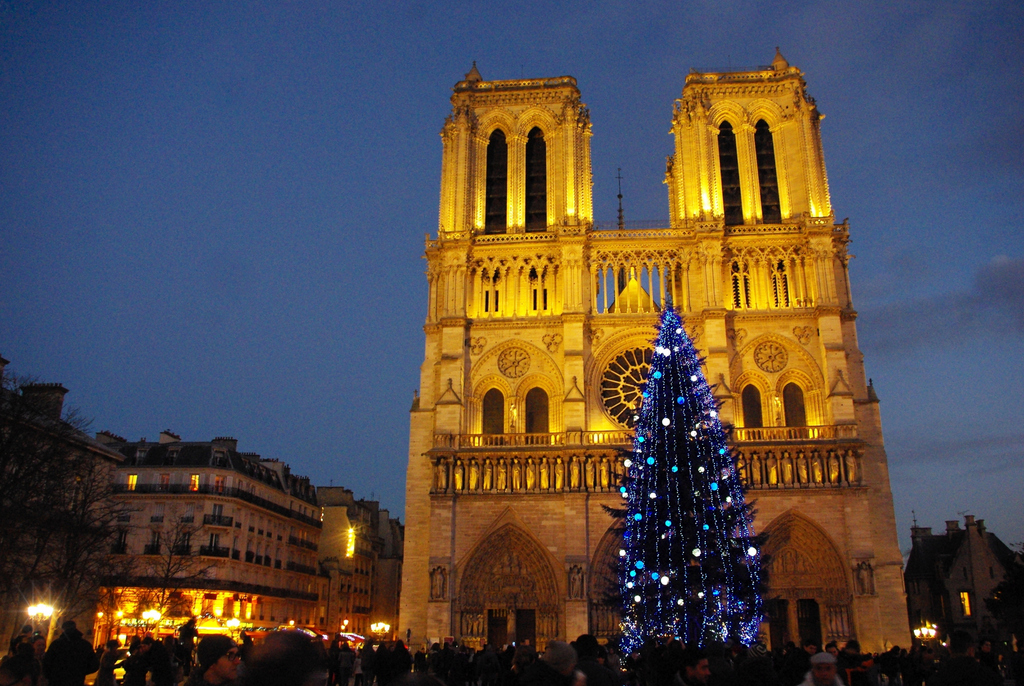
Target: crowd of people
295, 658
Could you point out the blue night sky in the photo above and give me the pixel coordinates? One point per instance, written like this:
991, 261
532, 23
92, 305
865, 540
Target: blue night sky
213, 213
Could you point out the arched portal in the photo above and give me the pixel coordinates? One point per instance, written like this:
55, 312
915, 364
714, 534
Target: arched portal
603, 594
808, 589
508, 592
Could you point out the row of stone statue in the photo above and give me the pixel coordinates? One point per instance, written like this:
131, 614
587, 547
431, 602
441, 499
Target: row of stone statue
832, 468
530, 474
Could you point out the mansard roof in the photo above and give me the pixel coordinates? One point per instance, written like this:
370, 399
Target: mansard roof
933, 554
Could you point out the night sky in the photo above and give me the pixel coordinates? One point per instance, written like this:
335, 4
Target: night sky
213, 214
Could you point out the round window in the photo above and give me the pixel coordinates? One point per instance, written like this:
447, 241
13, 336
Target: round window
622, 383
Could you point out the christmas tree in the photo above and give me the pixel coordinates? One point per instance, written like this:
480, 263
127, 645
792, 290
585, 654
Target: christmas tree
690, 564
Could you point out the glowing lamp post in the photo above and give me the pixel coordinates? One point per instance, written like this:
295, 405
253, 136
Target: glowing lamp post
380, 629
151, 617
38, 613
925, 632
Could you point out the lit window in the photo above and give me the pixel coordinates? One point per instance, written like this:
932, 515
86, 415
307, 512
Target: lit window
165, 482
965, 603
350, 549
193, 482
218, 484
133, 481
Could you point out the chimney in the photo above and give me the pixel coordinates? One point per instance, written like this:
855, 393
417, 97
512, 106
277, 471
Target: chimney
968, 521
981, 527
919, 532
109, 438
952, 526
45, 398
168, 436
227, 442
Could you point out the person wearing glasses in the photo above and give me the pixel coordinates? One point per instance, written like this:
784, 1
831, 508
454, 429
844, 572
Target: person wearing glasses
218, 659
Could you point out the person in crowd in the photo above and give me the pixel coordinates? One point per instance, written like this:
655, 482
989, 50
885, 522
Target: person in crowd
367, 662
158, 661
961, 667
346, 660
136, 665
823, 671
332, 659
419, 660
70, 658
587, 649
797, 663
986, 656
16, 670
853, 667
488, 666
108, 661
757, 669
556, 667
694, 669
287, 658
24, 635
217, 659
187, 635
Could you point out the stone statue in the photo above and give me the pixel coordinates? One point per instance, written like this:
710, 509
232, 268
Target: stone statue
544, 476
865, 578
458, 475
559, 475
488, 475
474, 475
605, 475
574, 474
576, 582
442, 475
517, 476
438, 583
531, 474
502, 476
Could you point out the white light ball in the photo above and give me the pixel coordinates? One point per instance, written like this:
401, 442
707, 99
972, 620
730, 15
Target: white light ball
679, 330
696, 552
627, 463
693, 378
751, 551
653, 495
636, 599
666, 421
629, 584
700, 594
713, 413
700, 469
680, 602
622, 553
693, 433
728, 498
664, 581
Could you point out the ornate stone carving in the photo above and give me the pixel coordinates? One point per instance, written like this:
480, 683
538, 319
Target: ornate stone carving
864, 573
576, 582
476, 345
803, 334
621, 384
439, 583
771, 357
508, 570
514, 362
739, 335
552, 341
596, 335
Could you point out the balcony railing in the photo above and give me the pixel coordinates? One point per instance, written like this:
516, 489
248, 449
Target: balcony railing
214, 551
302, 543
624, 437
206, 489
151, 549
301, 568
217, 520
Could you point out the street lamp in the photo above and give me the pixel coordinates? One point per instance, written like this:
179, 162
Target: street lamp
41, 612
380, 628
925, 632
151, 616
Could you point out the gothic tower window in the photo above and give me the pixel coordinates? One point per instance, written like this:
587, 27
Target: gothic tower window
494, 412
536, 182
732, 203
740, 285
764, 148
793, 405
752, 407
537, 411
496, 209
780, 284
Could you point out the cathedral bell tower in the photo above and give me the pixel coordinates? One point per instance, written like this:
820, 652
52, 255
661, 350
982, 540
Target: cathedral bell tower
538, 340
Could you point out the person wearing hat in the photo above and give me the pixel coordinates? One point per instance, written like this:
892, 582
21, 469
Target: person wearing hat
823, 671
217, 657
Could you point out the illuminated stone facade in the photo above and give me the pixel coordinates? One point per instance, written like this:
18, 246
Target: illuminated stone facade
537, 326
212, 533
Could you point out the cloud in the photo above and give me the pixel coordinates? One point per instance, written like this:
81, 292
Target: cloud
995, 305
996, 453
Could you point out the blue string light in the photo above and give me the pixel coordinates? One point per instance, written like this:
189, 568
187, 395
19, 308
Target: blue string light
708, 583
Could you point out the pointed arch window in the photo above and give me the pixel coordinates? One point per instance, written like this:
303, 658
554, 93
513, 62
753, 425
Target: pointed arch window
494, 412
728, 162
764, 148
780, 284
537, 411
536, 181
496, 205
793, 405
752, 407
741, 297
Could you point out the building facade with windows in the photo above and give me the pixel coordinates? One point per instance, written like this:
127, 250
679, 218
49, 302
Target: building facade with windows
361, 552
949, 576
538, 335
213, 533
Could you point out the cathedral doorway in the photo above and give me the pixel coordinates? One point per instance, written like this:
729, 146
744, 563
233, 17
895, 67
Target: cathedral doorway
806, 574
508, 592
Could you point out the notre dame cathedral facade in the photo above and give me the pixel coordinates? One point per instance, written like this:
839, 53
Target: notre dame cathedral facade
538, 336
